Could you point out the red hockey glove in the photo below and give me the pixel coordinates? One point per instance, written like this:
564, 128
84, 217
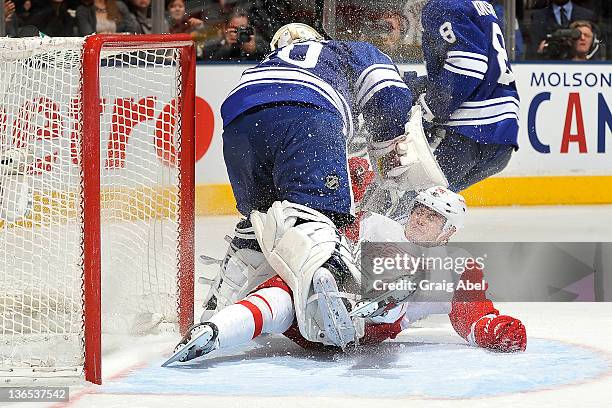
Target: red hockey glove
499, 333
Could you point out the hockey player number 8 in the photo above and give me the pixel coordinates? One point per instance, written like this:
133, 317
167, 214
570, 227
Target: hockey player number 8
506, 76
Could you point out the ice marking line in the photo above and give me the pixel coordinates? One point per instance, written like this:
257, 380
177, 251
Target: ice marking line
546, 364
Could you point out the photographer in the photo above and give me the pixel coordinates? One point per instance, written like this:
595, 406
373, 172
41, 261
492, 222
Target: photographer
587, 46
548, 21
239, 41
577, 43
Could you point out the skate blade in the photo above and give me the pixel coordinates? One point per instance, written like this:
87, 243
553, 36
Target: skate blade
335, 316
364, 309
183, 352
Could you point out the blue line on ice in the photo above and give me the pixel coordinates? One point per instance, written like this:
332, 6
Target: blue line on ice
392, 369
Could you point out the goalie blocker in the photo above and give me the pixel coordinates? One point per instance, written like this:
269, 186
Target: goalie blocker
407, 163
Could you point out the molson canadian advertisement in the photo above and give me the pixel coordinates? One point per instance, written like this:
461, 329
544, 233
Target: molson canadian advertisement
565, 140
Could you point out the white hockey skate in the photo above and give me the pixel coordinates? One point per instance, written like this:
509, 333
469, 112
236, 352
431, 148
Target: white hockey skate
339, 327
201, 339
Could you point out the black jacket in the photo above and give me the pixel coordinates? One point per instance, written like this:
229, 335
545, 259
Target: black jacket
54, 21
86, 20
218, 50
543, 22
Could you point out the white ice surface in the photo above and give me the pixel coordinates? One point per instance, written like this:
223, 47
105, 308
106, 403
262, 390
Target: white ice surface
568, 362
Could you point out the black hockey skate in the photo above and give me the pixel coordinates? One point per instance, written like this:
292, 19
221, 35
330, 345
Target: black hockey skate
201, 339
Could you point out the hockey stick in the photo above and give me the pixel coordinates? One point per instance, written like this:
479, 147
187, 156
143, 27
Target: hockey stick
385, 301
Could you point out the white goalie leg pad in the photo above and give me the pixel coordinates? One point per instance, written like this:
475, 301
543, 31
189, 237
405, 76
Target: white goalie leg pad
296, 252
242, 270
15, 190
15, 160
15, 199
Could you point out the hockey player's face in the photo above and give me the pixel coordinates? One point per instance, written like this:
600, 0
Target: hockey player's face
424, 225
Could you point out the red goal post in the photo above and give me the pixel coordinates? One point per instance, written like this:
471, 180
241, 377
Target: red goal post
97, 208
91, 156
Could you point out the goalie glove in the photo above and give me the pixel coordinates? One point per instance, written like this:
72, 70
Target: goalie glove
499, 333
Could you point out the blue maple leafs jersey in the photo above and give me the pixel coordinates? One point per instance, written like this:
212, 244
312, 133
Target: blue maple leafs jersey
350, 78
470, 88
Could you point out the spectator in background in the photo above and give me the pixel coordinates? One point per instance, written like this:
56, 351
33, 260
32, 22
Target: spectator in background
104, 17
141, 9
55, 20
387, 33
587, 46
26, 13
556, 16
392, 26
178, 21
10, 18
268, 16
498, 6
216, 13
239, 41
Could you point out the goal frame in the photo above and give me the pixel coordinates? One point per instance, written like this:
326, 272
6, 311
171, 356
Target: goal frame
91, 110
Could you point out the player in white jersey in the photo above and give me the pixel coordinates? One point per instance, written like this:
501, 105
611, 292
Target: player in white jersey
433, 218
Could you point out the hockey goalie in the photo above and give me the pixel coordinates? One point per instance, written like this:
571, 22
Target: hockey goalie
436, 214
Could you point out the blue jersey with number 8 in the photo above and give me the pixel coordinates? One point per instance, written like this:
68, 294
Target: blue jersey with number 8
471, 88
348, 78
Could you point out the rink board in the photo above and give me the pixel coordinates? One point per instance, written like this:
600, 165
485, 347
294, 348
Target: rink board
218, 199
565, 138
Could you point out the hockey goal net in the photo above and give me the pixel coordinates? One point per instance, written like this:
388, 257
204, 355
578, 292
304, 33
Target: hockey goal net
96, 196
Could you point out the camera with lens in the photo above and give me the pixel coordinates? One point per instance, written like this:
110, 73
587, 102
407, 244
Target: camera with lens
560, 44
244, 34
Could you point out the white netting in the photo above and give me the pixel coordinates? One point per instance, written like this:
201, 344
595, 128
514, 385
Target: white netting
41, 269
